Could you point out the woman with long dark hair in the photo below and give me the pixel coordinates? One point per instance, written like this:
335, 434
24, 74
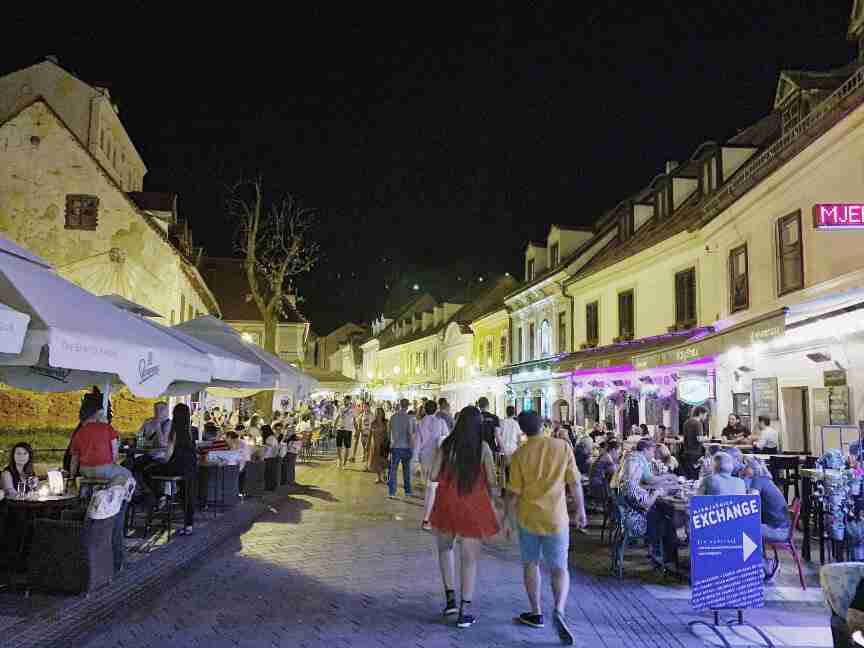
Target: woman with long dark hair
464, 468
379, 446
20, 467
182, 463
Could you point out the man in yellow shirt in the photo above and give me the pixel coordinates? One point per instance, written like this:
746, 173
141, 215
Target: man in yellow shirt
540, 471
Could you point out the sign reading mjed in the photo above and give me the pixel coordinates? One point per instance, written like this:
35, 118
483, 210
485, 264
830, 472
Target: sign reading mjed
838, 216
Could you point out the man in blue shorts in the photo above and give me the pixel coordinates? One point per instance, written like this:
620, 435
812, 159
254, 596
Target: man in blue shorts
540, 472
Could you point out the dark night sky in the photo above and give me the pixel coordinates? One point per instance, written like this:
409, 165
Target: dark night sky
430, 134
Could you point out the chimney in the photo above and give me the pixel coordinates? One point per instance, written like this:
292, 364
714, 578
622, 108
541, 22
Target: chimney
671, 165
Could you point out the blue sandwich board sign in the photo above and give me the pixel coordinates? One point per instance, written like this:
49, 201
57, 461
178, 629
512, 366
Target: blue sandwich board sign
726, 552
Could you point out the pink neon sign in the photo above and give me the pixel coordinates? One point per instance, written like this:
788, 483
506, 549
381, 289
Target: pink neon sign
838, 216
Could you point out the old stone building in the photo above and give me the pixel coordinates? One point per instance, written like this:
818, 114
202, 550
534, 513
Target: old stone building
70, 191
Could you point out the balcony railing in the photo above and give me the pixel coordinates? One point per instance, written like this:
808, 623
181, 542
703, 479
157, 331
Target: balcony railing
753, 169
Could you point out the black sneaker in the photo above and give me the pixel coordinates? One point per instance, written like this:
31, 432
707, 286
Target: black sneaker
450, 609
564, 632
533, 620
466, 620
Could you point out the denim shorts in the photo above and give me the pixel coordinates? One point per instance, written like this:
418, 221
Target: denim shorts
554, 548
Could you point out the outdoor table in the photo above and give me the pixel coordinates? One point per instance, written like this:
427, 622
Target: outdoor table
33, 506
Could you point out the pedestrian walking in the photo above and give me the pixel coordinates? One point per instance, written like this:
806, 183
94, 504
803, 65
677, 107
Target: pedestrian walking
431, 432
401, 447
345, 424
444, 413
465, 471
379, 445
541, 471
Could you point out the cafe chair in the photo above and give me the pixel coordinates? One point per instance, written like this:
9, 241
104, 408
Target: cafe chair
253, 479
72, 556
271, 473
788, 544
786, 474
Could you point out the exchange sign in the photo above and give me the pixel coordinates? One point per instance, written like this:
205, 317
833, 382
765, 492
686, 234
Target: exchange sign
838, 216
726, 552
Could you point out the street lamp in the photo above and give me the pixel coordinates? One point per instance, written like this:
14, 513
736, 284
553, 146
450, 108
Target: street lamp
416, 287
396, 370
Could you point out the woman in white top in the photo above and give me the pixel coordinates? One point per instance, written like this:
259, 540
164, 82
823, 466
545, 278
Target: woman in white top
271, 443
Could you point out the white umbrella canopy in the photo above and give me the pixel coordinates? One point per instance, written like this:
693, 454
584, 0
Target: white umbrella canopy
275, 373
76, 339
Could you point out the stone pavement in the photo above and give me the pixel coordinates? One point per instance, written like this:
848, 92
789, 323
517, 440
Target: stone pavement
341, 565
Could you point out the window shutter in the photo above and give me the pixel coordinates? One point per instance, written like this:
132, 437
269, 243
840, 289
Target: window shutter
679, 298
691, 295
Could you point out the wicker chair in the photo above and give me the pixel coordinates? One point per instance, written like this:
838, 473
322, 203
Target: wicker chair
70, 556
253, 479
271, 473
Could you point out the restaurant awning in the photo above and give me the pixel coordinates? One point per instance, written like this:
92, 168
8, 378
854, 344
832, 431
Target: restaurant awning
757, 330
622, 354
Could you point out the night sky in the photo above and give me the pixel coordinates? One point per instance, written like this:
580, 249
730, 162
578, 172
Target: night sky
430, 136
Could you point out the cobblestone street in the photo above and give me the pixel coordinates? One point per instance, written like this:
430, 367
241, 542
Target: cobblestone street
341, 565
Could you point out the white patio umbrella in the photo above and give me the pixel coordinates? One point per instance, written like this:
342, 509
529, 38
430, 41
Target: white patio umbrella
75, 339
275, 373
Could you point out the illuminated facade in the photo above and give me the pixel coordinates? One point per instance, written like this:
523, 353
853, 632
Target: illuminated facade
70, 191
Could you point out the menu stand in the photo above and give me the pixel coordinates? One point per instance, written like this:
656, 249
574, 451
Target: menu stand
738, 622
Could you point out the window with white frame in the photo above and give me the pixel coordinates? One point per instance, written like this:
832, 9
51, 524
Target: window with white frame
545, 338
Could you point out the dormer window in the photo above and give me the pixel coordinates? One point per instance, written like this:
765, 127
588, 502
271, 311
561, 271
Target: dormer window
709, 177
625, 226
663, 201
554, 255
529, 270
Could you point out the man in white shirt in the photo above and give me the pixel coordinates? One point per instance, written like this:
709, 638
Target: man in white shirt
768, 440
156, 431
511, 436
345, 426
431, 432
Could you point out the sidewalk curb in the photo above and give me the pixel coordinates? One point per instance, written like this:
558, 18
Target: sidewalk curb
74, 617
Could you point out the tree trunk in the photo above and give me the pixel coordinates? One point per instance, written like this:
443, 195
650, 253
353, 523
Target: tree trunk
264, 400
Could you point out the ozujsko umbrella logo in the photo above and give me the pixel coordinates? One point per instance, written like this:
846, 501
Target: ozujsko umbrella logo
147, 368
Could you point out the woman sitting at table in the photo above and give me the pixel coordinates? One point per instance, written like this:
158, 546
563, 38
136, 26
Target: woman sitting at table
183, 462
603, 469
641, 516
664, 463
775, 514
20, 468
721, 482
734, 431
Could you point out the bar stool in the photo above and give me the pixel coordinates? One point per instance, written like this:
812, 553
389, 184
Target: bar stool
169, 488
88, 487
786, 473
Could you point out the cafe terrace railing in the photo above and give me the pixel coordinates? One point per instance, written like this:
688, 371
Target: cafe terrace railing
822, 115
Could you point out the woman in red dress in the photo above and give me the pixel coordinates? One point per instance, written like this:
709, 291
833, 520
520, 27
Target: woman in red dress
464, 468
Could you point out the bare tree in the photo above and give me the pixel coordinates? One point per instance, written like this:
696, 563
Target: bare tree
274, 239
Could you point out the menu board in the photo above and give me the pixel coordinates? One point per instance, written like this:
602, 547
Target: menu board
839, 406
765, 401
653, 411
820, 406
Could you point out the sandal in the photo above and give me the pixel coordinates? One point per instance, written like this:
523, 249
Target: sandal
426, 526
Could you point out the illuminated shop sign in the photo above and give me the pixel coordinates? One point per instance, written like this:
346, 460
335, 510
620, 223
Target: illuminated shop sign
694, 391
838, 216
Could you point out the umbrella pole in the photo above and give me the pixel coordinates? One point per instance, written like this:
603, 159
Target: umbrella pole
106, 396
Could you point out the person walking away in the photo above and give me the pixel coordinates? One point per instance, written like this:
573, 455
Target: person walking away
379, 445
541, 472
182, 463
345, 423
511, 437
364, 426
94, 451
465, 471
401, 445
294, 443
767, 441
444, 413
693, 449
431, 432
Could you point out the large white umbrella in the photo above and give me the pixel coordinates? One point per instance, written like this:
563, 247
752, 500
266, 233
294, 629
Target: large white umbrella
75, 339
275, 373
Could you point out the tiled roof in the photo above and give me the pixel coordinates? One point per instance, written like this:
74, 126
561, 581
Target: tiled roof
227, 279
483, 302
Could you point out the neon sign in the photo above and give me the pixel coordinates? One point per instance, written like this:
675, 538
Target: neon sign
838, 216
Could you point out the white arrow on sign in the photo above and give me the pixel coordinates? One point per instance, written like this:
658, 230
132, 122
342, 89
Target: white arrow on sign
748, 546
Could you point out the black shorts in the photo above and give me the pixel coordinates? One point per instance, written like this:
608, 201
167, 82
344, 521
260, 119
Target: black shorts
343, 438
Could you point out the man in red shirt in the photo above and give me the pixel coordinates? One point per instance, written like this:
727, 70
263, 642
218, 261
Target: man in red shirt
95, 447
